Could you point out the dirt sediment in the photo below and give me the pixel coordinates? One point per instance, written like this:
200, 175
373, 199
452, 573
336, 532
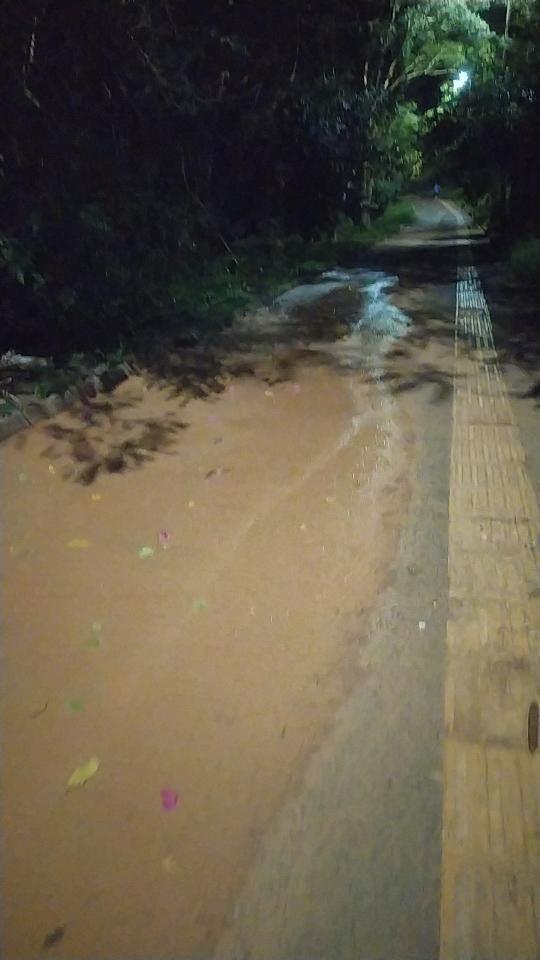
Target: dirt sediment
212, 666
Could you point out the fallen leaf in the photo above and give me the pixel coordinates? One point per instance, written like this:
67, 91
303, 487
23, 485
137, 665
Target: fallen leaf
78, 544
75, 706
191, 504
268, 393
53, 937
95, 497
169, 799
52, 471
170, 865
82, 774
22, 477
37, 713
96, 639
200, 605
146, 553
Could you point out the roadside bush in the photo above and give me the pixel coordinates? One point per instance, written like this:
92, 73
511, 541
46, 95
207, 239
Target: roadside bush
481, 209
398, 214
210, 295
351, 234
525, 261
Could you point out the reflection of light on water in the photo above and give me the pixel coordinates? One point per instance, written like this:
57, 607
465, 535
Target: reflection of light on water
374, 325
378, 314
373, 328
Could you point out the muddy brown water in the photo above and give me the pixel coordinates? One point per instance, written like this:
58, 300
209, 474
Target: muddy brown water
211, 665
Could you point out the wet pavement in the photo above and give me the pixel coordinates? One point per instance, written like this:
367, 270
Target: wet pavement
234, 607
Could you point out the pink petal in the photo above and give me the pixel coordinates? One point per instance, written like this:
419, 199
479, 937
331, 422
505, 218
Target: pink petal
169, 799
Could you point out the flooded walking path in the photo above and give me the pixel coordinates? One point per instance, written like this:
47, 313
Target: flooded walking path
241, 716
185, 581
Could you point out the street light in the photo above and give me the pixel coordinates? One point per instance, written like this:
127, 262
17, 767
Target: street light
460, 81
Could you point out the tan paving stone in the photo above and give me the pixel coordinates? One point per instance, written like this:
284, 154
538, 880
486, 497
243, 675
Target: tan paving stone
490, 872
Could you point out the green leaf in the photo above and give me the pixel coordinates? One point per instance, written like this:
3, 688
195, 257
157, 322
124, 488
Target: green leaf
82, 774
146, 553
75, 706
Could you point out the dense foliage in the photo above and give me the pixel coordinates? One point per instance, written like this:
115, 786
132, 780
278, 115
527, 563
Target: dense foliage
141, 137
487, 137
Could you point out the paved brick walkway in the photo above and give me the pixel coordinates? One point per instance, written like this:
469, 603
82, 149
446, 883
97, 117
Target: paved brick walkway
490, 817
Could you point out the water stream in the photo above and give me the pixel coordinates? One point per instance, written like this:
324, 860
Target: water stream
373, 328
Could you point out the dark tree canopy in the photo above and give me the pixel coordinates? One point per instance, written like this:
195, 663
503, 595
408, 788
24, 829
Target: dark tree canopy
141, 135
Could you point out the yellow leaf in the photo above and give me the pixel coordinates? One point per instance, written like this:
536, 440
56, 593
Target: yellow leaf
79, 776
78, 544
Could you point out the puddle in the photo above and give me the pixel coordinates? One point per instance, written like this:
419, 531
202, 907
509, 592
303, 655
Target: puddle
373, 323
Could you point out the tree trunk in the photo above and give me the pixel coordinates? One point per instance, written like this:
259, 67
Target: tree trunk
507, 22
507, 28
367, 194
